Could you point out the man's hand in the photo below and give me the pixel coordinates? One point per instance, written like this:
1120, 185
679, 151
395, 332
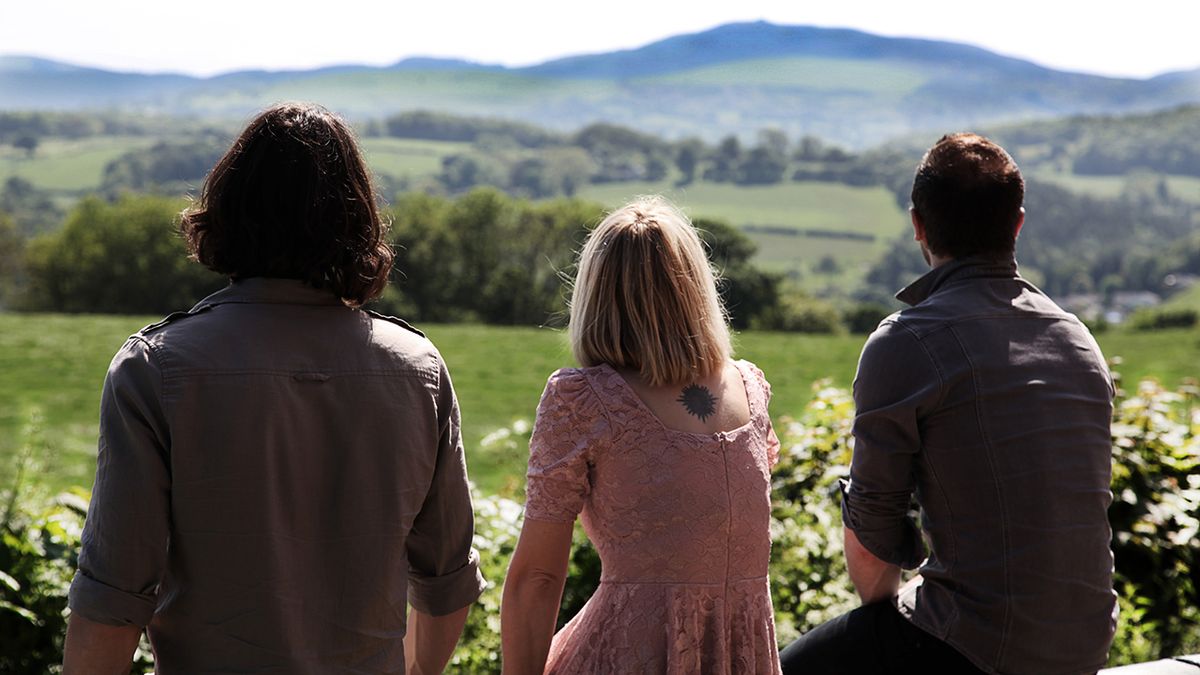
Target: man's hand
430, 640
97, 648
873, 578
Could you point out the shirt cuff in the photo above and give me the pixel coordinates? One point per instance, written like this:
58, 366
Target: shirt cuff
99, 602
449, 592
896, 541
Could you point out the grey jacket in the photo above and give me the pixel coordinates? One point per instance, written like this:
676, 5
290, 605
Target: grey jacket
991, 406
279, 475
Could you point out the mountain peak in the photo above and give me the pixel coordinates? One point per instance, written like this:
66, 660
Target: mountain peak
761, 40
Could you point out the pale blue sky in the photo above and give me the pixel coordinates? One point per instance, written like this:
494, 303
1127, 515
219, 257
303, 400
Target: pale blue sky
211, 36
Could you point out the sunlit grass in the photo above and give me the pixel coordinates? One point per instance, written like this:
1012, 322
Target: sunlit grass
56, 363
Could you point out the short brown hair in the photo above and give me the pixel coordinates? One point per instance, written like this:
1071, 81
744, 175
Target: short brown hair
645, 297
292, 198
968, 193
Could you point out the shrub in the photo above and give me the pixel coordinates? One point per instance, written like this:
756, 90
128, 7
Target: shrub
37, 561
1155, 519
1158, 319
124, 258
798, 312
39, 548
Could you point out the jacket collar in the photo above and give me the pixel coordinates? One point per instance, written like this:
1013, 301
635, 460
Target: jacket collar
270, 291
957, 270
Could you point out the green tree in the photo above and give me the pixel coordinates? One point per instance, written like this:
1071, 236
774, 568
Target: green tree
688, 154
749, 293
26, 142
31, 208
124, 258
12, 250
726, 160
464, 171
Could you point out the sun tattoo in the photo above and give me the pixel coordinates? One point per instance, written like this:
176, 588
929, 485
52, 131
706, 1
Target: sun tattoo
698, 401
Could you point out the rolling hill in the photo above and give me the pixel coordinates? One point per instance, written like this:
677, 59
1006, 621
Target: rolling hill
842, 85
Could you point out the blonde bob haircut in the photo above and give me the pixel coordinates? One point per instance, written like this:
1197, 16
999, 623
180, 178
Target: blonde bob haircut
645, 297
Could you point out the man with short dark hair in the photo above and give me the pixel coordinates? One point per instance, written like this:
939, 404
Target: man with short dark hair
991, 406
281, 473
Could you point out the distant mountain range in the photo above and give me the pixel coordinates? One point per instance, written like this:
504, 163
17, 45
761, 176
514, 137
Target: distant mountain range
842, 85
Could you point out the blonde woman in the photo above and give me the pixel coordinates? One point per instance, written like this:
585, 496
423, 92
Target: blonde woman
664, 445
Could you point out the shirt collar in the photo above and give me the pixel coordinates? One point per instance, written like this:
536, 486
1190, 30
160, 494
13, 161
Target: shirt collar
269, 291
956, 270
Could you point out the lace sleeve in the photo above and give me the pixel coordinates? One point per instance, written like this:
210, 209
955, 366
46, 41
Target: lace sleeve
772, 439
570, 422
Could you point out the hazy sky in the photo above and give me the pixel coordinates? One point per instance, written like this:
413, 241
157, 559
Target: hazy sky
204, 37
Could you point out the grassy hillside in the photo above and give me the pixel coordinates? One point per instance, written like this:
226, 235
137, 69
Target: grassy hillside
1183, 187
847, 86
810, 73
68, 166
408, 158
55, 364
797, 207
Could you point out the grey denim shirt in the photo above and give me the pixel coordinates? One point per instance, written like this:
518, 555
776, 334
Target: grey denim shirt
992, 406
278, 477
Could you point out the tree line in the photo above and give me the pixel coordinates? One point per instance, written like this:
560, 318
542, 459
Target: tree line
482, 257
1074, 244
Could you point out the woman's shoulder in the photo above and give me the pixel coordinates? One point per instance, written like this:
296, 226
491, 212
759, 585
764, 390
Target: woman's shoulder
755, 378
573, 387
574, 378
749, 367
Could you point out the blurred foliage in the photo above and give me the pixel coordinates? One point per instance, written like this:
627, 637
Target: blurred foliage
167, 167
122, 257
1155, 518
12, 260
39, 546
799, 312
31, 208
485, 256
809, 582
1157, 319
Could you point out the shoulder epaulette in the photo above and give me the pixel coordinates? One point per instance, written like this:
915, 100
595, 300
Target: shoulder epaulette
173, 317
396, 320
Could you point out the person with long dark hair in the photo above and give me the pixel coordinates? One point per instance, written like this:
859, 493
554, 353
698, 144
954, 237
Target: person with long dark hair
280, 472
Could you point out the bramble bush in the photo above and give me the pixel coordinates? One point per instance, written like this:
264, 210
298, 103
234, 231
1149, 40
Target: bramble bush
39, 548
1155, 519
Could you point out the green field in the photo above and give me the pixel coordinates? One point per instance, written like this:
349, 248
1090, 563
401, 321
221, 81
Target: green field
1186, 188
1186, 299
68, 166
794, 206
56, 363
408, 158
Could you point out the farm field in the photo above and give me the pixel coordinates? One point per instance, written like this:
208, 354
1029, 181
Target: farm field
799, 207
56, 363
68, 166
408, 158
1186, 188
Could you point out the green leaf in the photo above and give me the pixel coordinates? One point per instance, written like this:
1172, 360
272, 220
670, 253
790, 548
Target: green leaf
21, 611
7, 580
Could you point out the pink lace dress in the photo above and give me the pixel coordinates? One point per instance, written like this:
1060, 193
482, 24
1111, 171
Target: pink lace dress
681, 523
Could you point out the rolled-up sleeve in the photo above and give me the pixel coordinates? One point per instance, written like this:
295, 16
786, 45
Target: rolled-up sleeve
896, 383
443, 567
125, 538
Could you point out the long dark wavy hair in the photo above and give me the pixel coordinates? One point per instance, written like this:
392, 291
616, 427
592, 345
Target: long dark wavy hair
292, 198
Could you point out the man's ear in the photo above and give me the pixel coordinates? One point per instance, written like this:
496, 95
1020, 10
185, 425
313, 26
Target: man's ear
919, 225
1020, 222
